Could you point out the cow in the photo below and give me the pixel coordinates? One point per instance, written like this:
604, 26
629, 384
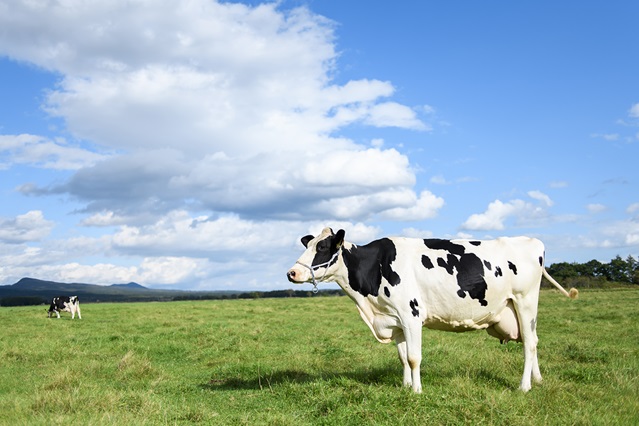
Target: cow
65, 303
400, 285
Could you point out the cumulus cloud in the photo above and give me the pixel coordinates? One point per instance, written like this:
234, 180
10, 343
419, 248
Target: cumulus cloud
199, 106
392, 114
31, 226
633, 112
424, 207
41, 152
540, 196
494, 217
498, 212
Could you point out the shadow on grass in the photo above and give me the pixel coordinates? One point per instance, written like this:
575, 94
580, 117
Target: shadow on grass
434, 374
265, 380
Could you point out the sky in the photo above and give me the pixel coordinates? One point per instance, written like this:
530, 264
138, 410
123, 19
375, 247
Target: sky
191, 144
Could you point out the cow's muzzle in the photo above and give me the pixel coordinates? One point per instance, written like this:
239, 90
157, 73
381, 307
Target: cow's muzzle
291, 276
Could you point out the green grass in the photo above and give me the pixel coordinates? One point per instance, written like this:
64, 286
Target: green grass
310, 362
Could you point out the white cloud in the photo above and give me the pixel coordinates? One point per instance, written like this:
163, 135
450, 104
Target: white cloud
498, 212
633, 209
607, 136
41, 152
392, 114
416, 233
31, 226
439, 180
634, 111
622, 233
200, 76
424, 207
154, 272
494, 217
198, 106
540, 196
596, 208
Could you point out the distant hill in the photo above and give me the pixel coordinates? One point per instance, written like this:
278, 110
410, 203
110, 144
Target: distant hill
40, 291
31, 291
130, 285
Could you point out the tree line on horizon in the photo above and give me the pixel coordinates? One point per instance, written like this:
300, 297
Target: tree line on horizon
595, 273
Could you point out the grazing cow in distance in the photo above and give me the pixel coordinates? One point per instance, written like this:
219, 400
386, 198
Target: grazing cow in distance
65, 303
403, 284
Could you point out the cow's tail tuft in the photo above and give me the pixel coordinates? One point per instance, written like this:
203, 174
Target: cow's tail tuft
573, 294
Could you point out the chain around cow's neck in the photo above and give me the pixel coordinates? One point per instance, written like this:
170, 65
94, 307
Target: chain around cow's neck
321, 265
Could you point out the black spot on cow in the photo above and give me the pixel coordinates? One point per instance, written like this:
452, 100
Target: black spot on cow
447, 245
512, 267
476, 243
498, 272
413, 306
368, 264
448, 264
386, 291
428, 264
470, 277
541, 261
470, 268
488, 265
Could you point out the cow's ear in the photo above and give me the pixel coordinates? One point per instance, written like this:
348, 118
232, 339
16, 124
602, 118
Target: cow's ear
306, 239
339, 238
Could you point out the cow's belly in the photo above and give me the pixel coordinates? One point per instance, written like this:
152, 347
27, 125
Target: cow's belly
464, 316
460, 325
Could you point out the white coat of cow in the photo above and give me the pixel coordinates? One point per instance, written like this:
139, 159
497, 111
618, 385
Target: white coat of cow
403, 284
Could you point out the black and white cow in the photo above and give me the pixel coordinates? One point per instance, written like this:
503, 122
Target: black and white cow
402, 284
65, 303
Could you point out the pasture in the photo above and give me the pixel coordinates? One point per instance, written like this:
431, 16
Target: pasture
310, 362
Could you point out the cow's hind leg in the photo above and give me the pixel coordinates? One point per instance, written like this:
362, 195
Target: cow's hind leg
403, 357
527, 314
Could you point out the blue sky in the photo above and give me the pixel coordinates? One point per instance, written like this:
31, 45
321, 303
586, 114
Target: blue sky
191, 144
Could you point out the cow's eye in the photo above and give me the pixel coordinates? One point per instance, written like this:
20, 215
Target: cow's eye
322, 246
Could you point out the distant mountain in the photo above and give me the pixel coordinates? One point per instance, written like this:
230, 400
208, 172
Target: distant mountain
41, 291
130, 285
31, 291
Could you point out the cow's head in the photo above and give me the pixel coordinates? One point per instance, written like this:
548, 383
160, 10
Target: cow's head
319, 258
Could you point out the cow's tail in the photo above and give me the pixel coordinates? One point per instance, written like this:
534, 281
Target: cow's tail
573, 293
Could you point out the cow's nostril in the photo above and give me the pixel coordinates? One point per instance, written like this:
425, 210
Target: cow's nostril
291, 276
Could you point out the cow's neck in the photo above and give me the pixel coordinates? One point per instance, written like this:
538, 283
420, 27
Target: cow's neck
364, 304
353, 275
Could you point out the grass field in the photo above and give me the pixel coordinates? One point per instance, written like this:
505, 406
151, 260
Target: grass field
310, 362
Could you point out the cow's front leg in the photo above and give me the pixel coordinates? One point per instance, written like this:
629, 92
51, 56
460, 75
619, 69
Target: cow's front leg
413, 336
403, 357
527, 314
